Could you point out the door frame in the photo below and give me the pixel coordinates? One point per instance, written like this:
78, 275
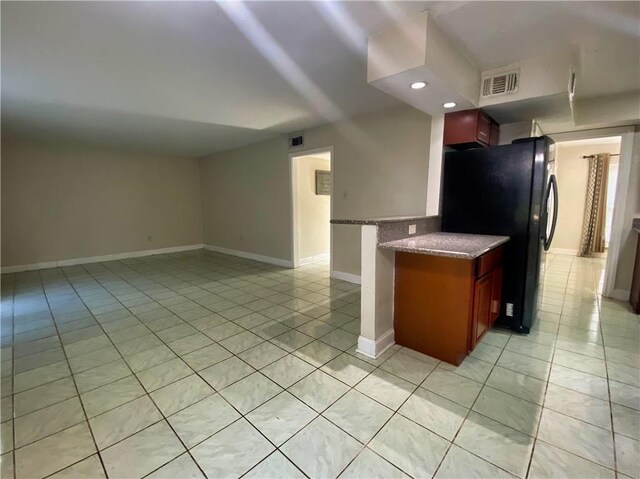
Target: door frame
293, 182
622, 186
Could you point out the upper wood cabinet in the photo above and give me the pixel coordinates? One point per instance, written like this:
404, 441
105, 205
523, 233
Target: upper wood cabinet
470, 129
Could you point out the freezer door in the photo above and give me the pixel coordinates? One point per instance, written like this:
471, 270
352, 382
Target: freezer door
548, 216
550, 210
488, 191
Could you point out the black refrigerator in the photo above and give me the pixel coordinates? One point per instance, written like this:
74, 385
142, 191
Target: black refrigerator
507, 190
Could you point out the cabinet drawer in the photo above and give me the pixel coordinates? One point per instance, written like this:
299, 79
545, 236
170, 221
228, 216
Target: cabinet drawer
488, 261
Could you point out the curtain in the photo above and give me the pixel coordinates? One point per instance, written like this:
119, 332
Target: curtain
596, 206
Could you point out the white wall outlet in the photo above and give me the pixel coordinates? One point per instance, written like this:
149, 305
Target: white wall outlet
412, 229
510, 309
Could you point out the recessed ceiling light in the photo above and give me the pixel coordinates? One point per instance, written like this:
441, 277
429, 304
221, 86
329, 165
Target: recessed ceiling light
449, 104
417, 85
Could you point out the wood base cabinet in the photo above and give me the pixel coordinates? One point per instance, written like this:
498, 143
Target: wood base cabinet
443, 306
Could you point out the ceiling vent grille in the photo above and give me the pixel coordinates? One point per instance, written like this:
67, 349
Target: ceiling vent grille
500, 84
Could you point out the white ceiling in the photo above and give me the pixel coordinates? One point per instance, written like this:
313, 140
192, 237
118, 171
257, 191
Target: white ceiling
191, 78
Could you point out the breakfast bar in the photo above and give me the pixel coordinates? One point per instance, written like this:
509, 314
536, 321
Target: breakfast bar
447, 291
433, 292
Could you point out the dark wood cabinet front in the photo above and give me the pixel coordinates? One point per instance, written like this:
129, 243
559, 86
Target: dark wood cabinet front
443, 306
470, 129
484, 128
481, 309
487, 302
497, 276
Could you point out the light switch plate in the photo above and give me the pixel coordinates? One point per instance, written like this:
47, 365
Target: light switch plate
412, 229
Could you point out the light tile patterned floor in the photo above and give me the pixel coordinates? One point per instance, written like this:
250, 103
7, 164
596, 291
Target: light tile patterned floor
195, 364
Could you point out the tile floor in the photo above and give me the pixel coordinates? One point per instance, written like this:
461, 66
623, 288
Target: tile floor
200, 364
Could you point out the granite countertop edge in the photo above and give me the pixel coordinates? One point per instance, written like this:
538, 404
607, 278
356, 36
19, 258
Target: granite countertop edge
377, 221
472, 246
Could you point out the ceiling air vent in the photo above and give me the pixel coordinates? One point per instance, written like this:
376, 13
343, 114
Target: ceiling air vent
500, 84
296, 141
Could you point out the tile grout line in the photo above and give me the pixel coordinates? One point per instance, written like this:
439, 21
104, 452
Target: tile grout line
75, 385
13, 378
164, 417
316, 368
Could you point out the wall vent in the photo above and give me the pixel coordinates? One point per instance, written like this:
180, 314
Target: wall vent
296, 141
500, 84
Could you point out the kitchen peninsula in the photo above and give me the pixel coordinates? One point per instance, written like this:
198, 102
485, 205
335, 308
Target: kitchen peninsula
446, 292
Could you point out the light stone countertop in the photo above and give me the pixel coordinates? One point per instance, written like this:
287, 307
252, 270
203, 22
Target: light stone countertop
453, 245
376, 220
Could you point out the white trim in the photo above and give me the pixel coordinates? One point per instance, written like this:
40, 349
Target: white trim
374, 349
99, 259
588, 134
620, 294
572, 252
434, 170
618, 220
349, 277
314, 259
293, 185
29, 267
244, 254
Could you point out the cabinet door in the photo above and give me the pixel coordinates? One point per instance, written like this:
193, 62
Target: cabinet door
496, 294
484, 128
460, 127
481, 308
494, 135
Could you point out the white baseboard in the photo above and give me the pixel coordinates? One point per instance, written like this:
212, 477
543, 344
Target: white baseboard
348, 277
572, 252
372, 348
257, 257
620, 294
98, 259
314, 259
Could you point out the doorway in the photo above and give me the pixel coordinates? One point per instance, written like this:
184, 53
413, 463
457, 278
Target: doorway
572, 172
311, 187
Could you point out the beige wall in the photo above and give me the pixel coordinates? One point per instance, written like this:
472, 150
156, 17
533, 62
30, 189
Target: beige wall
513, 131
624, 272
313, 211
246, 192
572, 172
62, 202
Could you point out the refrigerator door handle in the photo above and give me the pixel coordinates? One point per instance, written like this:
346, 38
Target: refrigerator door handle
553, 185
